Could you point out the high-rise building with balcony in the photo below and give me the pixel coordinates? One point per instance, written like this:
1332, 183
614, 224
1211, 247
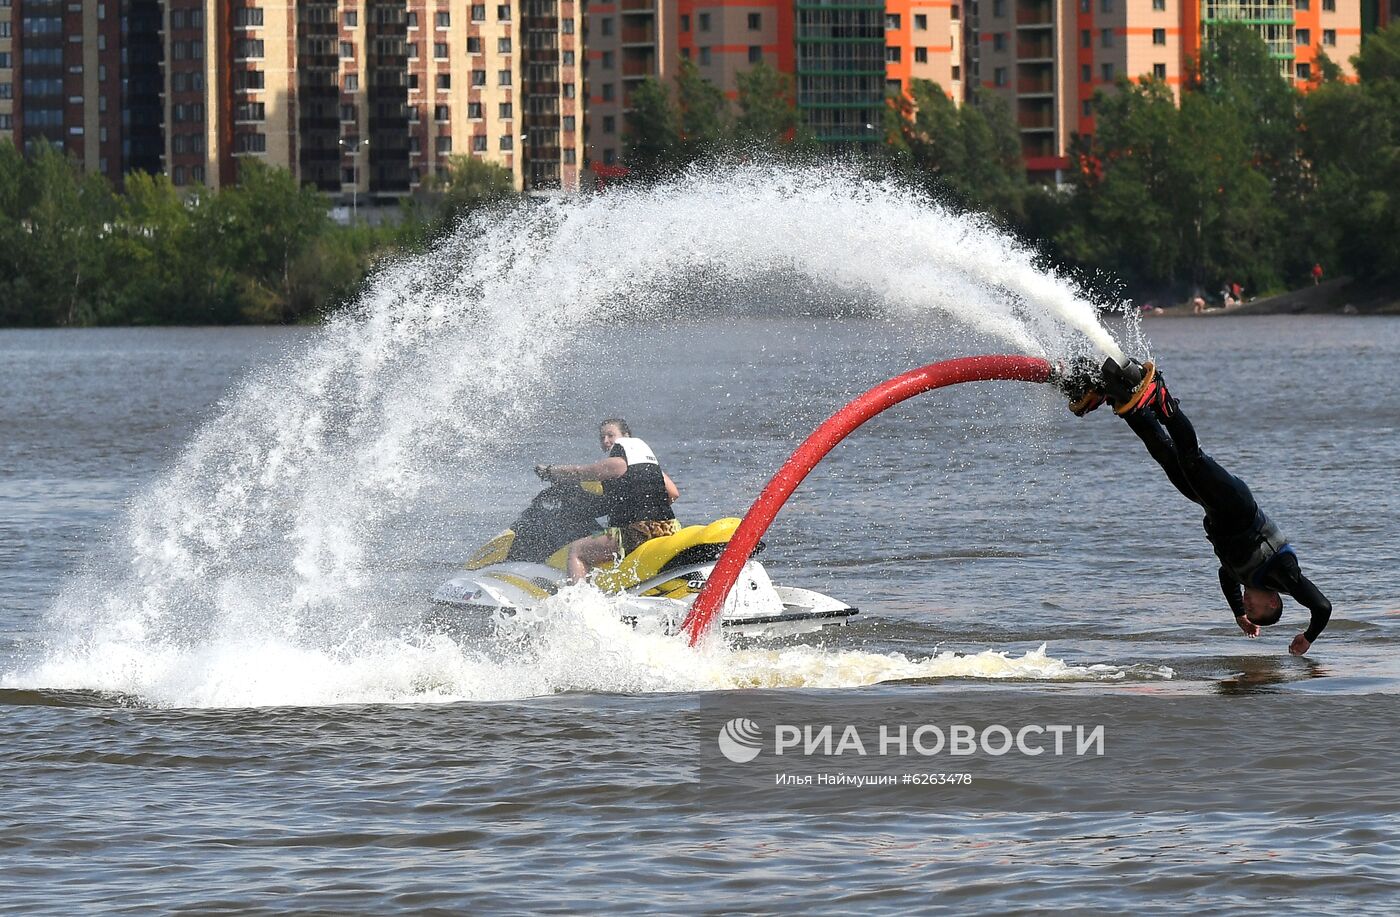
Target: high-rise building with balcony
1050, 57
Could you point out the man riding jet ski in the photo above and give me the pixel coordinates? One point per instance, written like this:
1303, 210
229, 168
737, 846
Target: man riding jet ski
661, 572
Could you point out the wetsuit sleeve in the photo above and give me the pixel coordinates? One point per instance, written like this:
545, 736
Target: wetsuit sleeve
1233, 594
1310, 597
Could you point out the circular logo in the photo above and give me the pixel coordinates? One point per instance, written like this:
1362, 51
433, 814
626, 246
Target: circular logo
740, 740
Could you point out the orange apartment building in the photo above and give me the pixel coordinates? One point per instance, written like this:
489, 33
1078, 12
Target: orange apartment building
844, 57
1050, 57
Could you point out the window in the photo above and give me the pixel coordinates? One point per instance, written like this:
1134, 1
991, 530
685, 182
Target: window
704, 57
891, 22
474, 45
1305, 72
442, 19
755, 21
411, 49
570, 123
502, 77
507, 141
413, 115
755, 54
704, 23
479, 143
1329, 37
1107, 70
5, 62
250, 143
921, 22
478, 77
347, 50
999, 76
685, 53
1159, 4
503, 45
442, 145
177, 175
609, 92
352, 19
998, 7
503, 13
413, 81
440, 50
177, 19
569, 91
505, 111
347, 112
444, 81
1086, 6
1329, 6
413, 20
473, 110
570, 157
685, 23
957, 73
1302, 36
1086, 39
478, 12
244, 47
352, 82
197, 174
998, 41
893, 87
1105, 6
567, 58
1159, 36
566, 27
609, 157
1304, 5
196, 19
1159, 71
243, 17
607, 60
609, 124
891, 54
1105, 38
442, 113
1086, 74
921, 55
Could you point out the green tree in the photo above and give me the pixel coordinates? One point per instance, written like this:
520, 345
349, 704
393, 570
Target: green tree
704, 115
767, 116
468, 183
653, 131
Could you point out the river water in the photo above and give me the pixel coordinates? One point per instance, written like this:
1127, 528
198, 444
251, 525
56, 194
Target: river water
246, 751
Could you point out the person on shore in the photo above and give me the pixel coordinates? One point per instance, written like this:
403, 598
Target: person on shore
1256, 562
638, 493
1237, 292
1198, 305
1316, 273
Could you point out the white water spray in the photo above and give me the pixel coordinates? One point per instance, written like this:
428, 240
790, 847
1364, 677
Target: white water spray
249, 572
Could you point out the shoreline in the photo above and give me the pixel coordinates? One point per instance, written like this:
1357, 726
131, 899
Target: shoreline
1342, 296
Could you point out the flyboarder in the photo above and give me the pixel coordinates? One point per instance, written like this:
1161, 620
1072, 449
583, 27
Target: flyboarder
1256, 562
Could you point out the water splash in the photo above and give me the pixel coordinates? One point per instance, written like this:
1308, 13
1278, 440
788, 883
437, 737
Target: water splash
263, 546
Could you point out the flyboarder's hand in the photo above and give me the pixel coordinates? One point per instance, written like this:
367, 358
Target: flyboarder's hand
1300, 645
1250, 629
544, 472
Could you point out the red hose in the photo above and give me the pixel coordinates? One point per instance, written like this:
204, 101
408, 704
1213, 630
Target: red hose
836, 428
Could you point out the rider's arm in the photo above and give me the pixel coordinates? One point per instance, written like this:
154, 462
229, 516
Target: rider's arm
672, 492
604, 470
1233, 594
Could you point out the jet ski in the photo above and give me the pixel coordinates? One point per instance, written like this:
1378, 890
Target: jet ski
657, 582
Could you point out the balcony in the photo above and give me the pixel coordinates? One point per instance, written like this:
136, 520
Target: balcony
1035, 86
1041, 49
637, 69
1035, 16
1036, 120
639, 34
638, 6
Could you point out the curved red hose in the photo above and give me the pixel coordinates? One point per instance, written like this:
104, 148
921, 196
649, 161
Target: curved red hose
836, 428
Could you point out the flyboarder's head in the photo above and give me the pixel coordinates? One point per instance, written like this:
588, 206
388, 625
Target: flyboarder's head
611, 430
1262, 606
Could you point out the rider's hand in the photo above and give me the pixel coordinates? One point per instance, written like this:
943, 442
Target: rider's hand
1250, 629
1300, 645
544, 472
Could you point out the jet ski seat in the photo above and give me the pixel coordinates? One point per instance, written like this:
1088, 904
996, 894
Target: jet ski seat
692, 544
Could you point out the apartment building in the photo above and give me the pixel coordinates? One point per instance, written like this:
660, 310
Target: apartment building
844, 57
1049, 57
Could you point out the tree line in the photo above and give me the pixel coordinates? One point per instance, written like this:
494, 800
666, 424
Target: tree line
1242, 178
73, 251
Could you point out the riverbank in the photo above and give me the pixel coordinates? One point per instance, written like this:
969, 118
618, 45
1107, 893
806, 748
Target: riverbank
1343, 296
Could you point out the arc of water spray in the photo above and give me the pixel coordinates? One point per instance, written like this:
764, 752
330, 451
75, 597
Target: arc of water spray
815, 447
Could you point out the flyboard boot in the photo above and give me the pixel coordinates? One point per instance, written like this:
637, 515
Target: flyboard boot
1128, 386
1082, 383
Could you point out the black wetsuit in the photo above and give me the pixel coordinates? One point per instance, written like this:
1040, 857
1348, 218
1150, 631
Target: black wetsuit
1252, 550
